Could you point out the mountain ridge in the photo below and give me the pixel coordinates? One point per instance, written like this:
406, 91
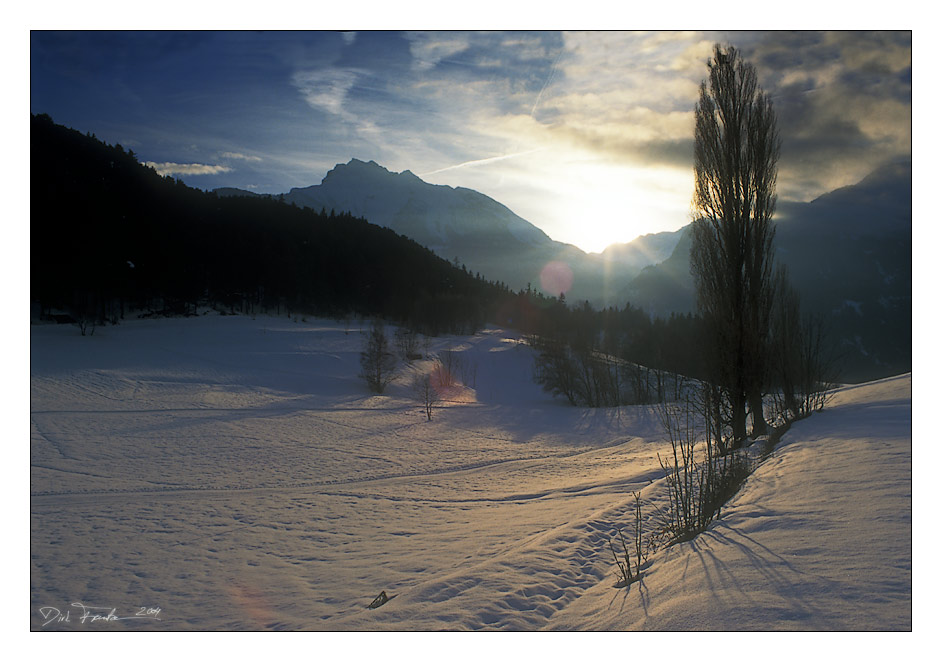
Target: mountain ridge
648, 248
464, 225
848, 252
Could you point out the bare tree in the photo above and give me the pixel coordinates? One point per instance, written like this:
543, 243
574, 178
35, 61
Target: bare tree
555, 369
377, 360
423, 389
804, 363
735, 163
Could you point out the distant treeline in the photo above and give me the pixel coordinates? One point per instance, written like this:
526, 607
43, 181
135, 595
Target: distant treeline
110, 236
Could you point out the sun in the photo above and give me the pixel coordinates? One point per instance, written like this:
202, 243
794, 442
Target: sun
610, 203
580, 197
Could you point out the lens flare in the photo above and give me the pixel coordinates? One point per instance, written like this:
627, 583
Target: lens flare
253, 604
556, 278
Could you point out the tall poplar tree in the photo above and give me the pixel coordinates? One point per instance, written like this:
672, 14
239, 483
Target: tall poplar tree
736, 165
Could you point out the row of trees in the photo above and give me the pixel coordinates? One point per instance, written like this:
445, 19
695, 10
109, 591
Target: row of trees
615, 356
751, 334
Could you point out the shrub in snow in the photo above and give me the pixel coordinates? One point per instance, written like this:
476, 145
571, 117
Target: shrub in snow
407, 344
701, 474
588, 377
454, 368
624, 563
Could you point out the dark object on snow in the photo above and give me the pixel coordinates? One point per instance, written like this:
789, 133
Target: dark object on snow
380, 600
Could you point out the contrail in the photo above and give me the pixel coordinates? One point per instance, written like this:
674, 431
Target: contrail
478, 162
493, 159
546, 83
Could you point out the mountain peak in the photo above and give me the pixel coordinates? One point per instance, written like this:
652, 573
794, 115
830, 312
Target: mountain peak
357, 168
358, 163
366, 171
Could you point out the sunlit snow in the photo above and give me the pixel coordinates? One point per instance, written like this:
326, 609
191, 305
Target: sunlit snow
230, 473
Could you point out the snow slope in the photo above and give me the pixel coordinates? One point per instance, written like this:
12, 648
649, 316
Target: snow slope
819, 538
236, 475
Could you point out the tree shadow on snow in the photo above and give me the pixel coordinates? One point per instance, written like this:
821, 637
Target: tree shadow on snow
733, 588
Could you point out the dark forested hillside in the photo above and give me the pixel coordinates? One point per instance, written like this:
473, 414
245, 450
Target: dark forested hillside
109, 235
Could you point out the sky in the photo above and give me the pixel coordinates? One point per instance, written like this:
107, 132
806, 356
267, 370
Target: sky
587, 135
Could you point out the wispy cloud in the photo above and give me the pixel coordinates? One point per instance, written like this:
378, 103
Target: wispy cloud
549, 79
326, 89
187, 168
429, 48
238, 156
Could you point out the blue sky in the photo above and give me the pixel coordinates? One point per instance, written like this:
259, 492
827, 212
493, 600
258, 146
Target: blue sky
587, 135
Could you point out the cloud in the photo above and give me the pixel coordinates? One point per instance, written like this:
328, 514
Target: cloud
428, 49
164, 169
617, 95
325, 89
239, 156
843, 100
626, 98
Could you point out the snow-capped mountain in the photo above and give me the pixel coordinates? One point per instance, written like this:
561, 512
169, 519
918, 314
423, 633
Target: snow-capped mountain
439, 217
456, 223
477, 231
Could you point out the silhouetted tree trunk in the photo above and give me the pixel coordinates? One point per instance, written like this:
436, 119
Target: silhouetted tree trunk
735, 163
786, 332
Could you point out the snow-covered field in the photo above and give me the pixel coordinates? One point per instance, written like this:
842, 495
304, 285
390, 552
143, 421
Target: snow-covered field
225, 473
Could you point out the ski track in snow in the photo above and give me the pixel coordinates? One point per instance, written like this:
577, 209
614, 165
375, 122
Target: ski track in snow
236, 474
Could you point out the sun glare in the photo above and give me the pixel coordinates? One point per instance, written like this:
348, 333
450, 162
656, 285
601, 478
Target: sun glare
616, 204
579, 198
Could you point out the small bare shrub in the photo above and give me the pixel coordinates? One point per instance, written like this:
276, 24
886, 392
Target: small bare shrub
456, 368
407, 344
624, 563
641, 553
701, 474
